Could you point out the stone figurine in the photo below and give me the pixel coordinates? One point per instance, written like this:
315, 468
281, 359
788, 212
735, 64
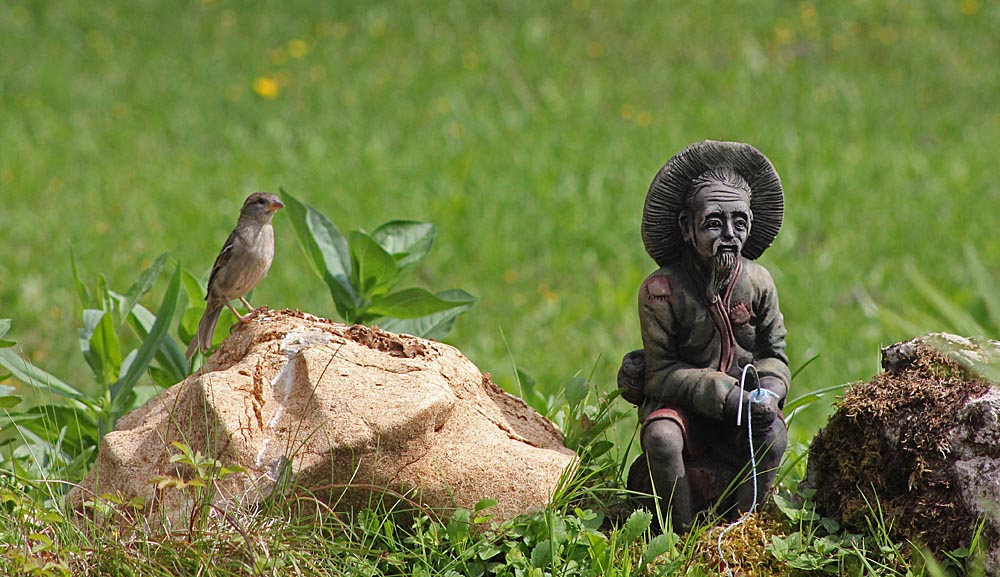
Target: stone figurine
705, 314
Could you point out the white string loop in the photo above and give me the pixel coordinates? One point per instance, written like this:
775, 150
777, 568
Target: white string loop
753, 458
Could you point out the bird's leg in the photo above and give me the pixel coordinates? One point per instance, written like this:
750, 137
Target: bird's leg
238, 315
246, 303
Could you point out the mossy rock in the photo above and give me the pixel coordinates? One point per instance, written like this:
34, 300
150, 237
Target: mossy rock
918, 445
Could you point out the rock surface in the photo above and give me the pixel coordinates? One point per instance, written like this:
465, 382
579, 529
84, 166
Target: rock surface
349, 411
921, 441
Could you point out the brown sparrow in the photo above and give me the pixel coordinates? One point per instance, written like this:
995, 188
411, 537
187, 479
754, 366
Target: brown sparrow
243, 262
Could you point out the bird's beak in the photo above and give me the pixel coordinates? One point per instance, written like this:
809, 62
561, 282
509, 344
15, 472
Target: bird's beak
276, 205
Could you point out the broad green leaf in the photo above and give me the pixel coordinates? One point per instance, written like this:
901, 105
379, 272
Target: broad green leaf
458, 526
780, 547
35, 377
787, 506
592, 520
657, 546
121, 390
636, 524
541, 554
436, 326
81, 289
187, 328
414, 303
374, 271
599, 448
597, 544
406, 240
194, 288
99, 343
7, 397
142, 285
327, 250
4, 328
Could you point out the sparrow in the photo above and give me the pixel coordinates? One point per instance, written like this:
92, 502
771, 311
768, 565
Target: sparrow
244, 261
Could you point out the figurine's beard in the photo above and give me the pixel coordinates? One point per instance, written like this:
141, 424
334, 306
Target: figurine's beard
723, 264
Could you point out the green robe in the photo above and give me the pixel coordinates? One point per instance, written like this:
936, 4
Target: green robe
684, 347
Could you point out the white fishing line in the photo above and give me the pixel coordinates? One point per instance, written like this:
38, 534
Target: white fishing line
757, 395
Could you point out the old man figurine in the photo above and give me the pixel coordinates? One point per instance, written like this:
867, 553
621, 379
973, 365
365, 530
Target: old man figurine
707, 313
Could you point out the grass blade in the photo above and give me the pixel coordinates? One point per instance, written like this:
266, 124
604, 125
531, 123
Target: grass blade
959, 319
985, 285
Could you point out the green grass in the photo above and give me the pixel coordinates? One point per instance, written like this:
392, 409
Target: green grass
526, 132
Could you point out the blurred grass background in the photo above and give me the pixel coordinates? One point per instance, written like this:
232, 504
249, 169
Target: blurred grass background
527, 132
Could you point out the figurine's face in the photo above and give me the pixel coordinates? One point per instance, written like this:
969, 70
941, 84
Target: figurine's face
717, 221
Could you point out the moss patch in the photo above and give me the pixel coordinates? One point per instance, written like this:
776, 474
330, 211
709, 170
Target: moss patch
886, 447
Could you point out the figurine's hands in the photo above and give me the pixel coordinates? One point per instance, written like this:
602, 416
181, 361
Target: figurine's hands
733, 407
776, 386
631, 376
763, 408
761, 403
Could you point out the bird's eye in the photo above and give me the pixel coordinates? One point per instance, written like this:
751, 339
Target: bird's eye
262, 200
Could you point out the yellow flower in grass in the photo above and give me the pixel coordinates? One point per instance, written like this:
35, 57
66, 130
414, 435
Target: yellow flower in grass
266, 87
970, 7
298, 48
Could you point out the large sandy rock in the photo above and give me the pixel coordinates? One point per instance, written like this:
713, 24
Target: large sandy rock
921, 441
349, 411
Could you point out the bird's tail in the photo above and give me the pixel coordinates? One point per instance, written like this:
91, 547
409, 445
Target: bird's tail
206, 329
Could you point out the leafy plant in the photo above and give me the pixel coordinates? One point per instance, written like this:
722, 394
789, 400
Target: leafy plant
202, 473
815, 543
61, 432
362, 270
30, 545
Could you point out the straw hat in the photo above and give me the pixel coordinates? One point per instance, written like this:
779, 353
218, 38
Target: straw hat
667, 194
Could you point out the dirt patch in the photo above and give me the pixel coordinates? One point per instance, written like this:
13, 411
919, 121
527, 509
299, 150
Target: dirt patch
393, 344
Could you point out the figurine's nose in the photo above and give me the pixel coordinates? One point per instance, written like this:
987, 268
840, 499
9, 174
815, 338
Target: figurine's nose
728, 232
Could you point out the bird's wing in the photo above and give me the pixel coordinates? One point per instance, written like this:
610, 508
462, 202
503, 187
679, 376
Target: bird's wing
225, 255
